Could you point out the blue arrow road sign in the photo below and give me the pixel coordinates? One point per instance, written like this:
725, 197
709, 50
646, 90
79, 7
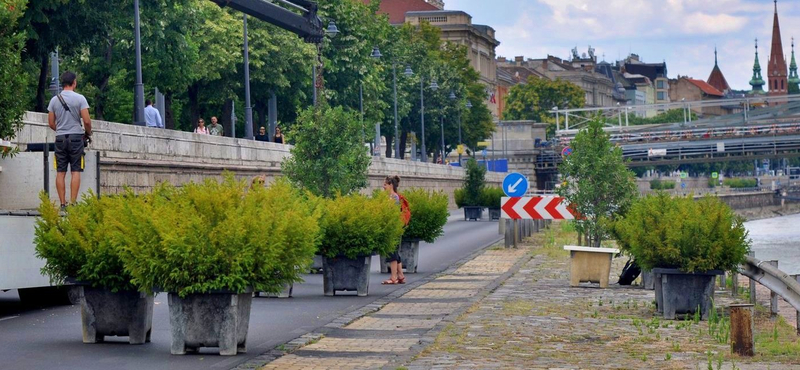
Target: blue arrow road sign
515, 185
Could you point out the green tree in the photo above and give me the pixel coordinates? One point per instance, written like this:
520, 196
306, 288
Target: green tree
535, 99
11, 72
670, 116
474, 183
328, 158
597, 182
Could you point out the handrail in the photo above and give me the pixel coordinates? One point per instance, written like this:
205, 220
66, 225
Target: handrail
775, 280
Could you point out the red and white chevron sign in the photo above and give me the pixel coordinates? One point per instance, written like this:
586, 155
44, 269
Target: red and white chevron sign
536, 208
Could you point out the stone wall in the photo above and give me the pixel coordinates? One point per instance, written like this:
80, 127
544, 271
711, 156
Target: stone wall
140, 157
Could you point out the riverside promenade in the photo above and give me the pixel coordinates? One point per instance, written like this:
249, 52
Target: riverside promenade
514, 309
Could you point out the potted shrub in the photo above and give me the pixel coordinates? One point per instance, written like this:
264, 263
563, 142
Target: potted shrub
473, 187
79, 248
599, 187
428, 217
491, 198
685, 243
210, 246
355, 227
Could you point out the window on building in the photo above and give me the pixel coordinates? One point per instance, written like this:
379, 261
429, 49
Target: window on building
660, 84
781, 84
662, 95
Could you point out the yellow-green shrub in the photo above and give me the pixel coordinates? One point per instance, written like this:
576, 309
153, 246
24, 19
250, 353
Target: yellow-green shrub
428, 214
79, 245
357, 226
218, 236
666, 232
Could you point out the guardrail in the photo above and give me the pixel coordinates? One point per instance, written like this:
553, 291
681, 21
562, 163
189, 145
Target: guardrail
778, 282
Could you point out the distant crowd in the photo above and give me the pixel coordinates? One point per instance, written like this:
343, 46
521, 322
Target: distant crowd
152, 118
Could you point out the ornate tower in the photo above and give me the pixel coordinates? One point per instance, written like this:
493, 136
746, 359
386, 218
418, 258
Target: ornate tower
794, 79
776, 69
757, 82
716, 78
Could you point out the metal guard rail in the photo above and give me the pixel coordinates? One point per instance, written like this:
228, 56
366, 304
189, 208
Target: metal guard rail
774, 279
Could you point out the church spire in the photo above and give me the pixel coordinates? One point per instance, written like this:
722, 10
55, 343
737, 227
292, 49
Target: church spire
757, 82
716, 78
715, 55
776, 68
794, 79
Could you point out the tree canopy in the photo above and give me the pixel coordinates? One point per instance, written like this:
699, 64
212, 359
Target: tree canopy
11, 71
535, 99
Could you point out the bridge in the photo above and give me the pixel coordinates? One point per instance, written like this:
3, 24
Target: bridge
759, 130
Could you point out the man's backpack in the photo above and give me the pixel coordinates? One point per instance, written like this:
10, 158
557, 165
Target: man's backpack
405, 210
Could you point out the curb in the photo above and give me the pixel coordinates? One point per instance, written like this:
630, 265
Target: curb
342, 321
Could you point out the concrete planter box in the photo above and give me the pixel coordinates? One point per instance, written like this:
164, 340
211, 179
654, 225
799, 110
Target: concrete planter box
316, 264
494, 213
648, 280
342, 273
285, 293
409, 255
124, 313
210, 320
678, 292
588, 264
473, 213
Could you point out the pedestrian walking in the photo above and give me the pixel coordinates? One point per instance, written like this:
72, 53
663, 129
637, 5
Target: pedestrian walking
215, 129
68, 116
390, 184
262, 134
201, 127
152, 117
278, 136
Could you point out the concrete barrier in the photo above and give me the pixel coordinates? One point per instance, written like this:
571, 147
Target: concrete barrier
140, 157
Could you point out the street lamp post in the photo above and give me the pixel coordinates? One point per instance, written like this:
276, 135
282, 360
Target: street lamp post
138, 87
434, 86
248, 109
316, 69
441, 125
460, 142
376, 54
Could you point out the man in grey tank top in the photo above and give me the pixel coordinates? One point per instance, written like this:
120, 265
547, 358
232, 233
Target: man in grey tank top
67, 111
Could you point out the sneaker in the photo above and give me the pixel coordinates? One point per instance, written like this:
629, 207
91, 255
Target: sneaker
63, 210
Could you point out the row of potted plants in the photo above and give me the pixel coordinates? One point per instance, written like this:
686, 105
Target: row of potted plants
490, 197
210, 246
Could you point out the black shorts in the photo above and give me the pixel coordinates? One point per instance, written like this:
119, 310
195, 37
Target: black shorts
395, 256
69, 152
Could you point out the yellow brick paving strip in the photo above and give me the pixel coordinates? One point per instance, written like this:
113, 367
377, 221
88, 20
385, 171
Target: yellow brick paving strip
454, 285
395, 318
439, 293
397, 324
293, 362
434, 308
467, 277
361, 345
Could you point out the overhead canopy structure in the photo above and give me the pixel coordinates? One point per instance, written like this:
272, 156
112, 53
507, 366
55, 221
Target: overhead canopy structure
305, 24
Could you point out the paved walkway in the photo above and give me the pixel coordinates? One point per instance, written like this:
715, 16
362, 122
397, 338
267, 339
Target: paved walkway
514, 309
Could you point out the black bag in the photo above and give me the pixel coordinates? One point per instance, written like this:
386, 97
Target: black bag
629, 273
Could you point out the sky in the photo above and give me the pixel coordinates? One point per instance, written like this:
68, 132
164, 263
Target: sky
681, 32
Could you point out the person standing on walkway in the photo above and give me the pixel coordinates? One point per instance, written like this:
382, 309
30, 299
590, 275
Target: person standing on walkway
262, 134
215, 129
201, 127
65, 113
278, 136
390, 184
152, 117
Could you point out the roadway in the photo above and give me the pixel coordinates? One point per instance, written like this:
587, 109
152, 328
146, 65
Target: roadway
50, 338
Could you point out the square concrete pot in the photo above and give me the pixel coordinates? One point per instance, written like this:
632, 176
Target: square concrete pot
648, 280
678, 292
473, 213
344, 274
210, 320
494, 213
409, 256
121, 314
588, 264
285, 293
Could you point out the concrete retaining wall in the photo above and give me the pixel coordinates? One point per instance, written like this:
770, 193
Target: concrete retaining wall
140, 157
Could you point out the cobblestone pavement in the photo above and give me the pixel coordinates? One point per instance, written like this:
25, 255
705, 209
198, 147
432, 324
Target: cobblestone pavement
394, 332
536, 321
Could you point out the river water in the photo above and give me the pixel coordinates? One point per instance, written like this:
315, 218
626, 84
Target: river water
777, 239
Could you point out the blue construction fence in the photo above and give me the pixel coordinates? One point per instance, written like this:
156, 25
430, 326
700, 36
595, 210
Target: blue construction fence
499, 165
